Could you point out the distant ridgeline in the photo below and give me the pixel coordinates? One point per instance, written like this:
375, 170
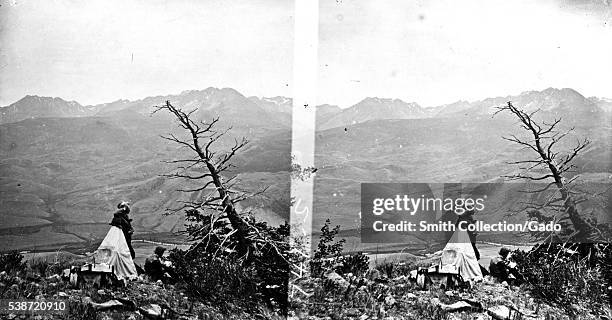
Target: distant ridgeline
66, 166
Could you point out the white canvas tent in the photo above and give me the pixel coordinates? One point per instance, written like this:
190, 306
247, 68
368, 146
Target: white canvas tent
459, 256
114, 251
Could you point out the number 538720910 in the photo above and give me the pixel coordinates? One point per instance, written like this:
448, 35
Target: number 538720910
32, 306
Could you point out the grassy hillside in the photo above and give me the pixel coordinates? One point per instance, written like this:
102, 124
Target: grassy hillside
459, 149
62, 177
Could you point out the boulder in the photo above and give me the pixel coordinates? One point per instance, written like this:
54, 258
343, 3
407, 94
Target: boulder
337, 280
500, 312
352, 312
115, 304
401, 279
389, 300
457, 306
462, 305
54, 278
108, 305
373, 274
152, 311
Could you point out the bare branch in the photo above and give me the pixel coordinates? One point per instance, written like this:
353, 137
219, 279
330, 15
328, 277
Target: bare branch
521, 176
551, 126
221, 197
540, 134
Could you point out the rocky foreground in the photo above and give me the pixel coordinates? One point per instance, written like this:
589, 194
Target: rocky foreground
333, 296
140, 299
393, 299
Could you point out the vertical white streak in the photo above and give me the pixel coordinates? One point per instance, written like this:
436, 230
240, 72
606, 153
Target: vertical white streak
305, 74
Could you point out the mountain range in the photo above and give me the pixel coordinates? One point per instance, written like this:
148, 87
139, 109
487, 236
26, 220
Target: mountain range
275, 112
374, 109
64, 166
32, 106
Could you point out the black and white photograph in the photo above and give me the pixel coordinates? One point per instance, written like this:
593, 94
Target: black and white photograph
306, 159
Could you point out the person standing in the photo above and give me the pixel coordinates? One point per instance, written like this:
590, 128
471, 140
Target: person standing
122, 221
468, 217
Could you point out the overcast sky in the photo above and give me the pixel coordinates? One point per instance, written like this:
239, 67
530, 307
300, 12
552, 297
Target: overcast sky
436, 52
82, 50
431, 52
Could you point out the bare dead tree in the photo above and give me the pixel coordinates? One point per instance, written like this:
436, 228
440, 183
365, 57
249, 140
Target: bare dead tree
219, 193
549, 165
225, 236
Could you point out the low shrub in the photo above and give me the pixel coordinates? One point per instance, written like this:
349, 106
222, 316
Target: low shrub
357, 263
39, 266
211, 278
12, 262
328, 253
211, 274
386, 268
80, 310
573, 277
50, 265
392, 269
